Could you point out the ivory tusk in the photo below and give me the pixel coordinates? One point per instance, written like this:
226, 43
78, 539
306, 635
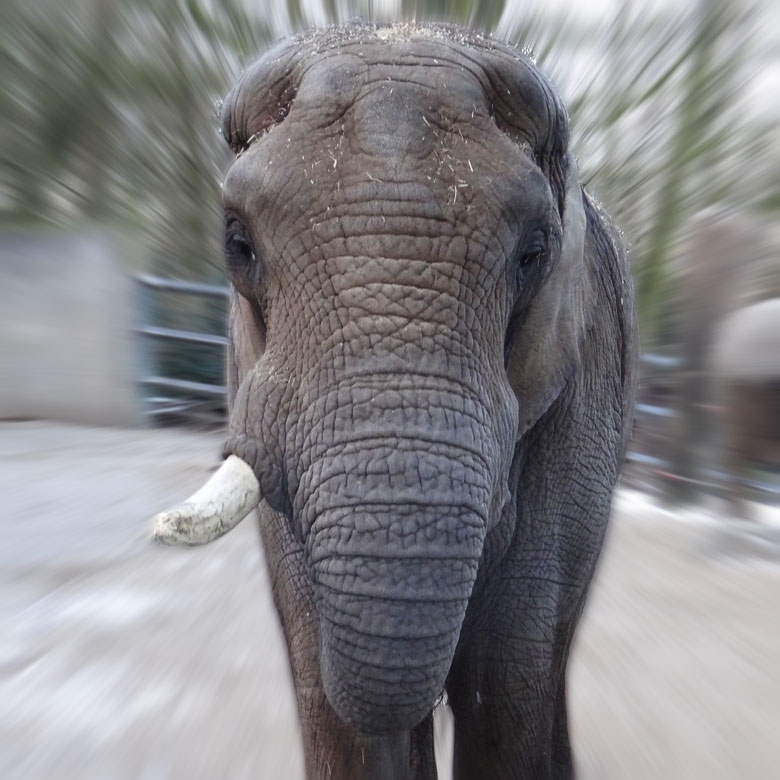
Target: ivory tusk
221, 504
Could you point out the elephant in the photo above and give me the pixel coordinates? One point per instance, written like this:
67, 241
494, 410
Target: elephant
431, 378
744, 366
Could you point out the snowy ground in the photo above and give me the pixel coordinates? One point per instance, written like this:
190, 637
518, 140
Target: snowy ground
122, 659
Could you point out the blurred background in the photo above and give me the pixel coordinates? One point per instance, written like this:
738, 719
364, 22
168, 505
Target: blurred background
113, 304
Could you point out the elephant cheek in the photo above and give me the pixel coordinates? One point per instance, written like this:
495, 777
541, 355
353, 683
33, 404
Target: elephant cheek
256, 430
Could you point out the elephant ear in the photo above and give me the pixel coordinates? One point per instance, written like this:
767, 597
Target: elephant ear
545, 352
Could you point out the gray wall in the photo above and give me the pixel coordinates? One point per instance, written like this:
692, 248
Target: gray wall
66, 312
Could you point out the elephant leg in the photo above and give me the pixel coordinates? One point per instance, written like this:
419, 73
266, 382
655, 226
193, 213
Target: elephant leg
332, 750
507, 691
733, 488
507, 687
510, 719
740, 422
738, 494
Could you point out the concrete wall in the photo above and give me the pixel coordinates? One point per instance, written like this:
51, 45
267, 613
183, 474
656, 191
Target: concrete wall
66, 312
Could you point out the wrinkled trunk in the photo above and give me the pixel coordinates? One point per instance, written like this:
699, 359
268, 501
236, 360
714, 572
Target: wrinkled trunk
394, 511
391, 584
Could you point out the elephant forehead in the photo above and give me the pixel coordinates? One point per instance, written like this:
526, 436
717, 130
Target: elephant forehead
390, 90
384, 149
446, 72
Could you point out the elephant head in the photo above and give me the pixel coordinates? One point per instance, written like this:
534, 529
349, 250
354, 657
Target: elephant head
404, 232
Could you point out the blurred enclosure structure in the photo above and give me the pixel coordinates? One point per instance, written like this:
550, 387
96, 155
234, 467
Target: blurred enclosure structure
109, 124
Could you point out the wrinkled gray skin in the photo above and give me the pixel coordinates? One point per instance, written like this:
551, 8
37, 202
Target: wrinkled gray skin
432, 375
745, 372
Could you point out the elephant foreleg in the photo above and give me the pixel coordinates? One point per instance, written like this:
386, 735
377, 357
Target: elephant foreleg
510, 719
507, 687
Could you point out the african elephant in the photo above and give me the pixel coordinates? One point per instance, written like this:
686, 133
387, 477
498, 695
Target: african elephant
431, 380
745, 372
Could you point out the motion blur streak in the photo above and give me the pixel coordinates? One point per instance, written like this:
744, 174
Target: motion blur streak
124, 660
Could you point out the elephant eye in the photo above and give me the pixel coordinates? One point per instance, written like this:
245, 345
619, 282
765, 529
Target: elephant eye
239, 250
530, 255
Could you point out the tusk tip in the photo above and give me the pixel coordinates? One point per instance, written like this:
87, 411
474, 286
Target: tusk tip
172, 528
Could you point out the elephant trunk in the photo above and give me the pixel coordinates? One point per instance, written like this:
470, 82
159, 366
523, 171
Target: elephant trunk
394, 514
390, 620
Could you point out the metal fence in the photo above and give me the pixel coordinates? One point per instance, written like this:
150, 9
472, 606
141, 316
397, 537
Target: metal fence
171, 396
